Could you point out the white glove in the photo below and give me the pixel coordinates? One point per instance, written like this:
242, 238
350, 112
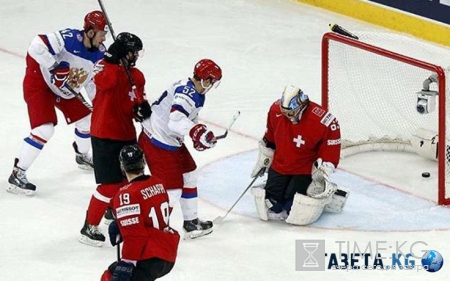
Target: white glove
321, 189
321, 186
321, 170
265, 158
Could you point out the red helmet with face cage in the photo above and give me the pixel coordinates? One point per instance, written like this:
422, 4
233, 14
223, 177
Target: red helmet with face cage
95, 20
207, 69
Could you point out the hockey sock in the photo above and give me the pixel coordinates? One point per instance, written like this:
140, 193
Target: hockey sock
189, 203
100, 201
31, 148
83, 141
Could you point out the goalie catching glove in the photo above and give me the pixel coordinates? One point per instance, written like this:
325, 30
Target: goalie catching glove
265, 159
202, 138
321, 186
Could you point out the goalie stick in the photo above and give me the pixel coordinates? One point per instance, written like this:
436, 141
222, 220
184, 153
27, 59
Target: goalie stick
124, 63
224, 135
342, 31
219, 219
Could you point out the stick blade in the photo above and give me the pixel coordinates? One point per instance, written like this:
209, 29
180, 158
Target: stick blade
218, 220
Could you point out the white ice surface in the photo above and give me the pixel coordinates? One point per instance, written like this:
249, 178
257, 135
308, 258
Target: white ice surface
261, 46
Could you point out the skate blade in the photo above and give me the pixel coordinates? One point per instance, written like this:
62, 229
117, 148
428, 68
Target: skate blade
85, 167
13, 189
197, 233
87, 241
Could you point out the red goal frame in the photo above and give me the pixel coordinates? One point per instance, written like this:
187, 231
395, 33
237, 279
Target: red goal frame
330, 36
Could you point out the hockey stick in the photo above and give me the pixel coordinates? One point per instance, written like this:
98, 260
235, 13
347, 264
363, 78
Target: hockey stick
118, 248
78, 96
122, 60
342, 31
224, 135
220, 219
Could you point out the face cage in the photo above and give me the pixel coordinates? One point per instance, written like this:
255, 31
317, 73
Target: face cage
214, 83
296, 108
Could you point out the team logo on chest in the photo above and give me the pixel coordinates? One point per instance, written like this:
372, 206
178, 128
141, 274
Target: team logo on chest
298, 141
77, 77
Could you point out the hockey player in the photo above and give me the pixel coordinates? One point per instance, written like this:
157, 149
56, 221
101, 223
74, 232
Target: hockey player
142, 211
115, 106
299, 133
176, 115
59, 64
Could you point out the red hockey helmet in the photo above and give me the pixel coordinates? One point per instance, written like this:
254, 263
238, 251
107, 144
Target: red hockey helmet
95, 20
207, 69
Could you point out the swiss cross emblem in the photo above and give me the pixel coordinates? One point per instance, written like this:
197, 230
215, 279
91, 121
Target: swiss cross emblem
132, 95
298, 141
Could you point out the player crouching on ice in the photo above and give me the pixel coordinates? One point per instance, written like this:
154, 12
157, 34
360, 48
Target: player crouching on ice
300, 149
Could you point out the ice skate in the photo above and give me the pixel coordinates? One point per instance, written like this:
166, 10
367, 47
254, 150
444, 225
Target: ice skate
91, 235
197, 228
84, 160
18, 182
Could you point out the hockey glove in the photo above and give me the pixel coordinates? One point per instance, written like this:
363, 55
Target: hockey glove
265, 158
114, 233
202, 137
115, 52
142, 111
123, 271
321, 170
60, 74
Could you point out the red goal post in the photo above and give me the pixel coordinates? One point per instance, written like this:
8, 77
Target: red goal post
371, 89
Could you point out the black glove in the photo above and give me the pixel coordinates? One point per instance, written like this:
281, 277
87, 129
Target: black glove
123, 271
142, 111
113, 231
115, 52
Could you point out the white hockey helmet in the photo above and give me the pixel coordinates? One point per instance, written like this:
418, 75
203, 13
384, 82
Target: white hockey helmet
293, 103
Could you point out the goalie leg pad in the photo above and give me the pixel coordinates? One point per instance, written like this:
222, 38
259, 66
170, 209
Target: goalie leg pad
259, 194
337, 201
306, 210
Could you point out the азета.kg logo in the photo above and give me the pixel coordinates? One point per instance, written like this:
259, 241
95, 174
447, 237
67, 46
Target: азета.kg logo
376, 255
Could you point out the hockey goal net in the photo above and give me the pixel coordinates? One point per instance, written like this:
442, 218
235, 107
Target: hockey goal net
371, 86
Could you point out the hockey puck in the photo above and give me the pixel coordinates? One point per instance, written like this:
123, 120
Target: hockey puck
425, 175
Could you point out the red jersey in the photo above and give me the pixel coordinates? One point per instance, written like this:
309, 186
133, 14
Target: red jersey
112, 115
317, 135
142, 212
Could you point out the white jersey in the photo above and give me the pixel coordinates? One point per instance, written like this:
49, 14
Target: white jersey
66, 45
173, 115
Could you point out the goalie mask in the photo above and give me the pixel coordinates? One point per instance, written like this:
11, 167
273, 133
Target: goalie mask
293, 103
